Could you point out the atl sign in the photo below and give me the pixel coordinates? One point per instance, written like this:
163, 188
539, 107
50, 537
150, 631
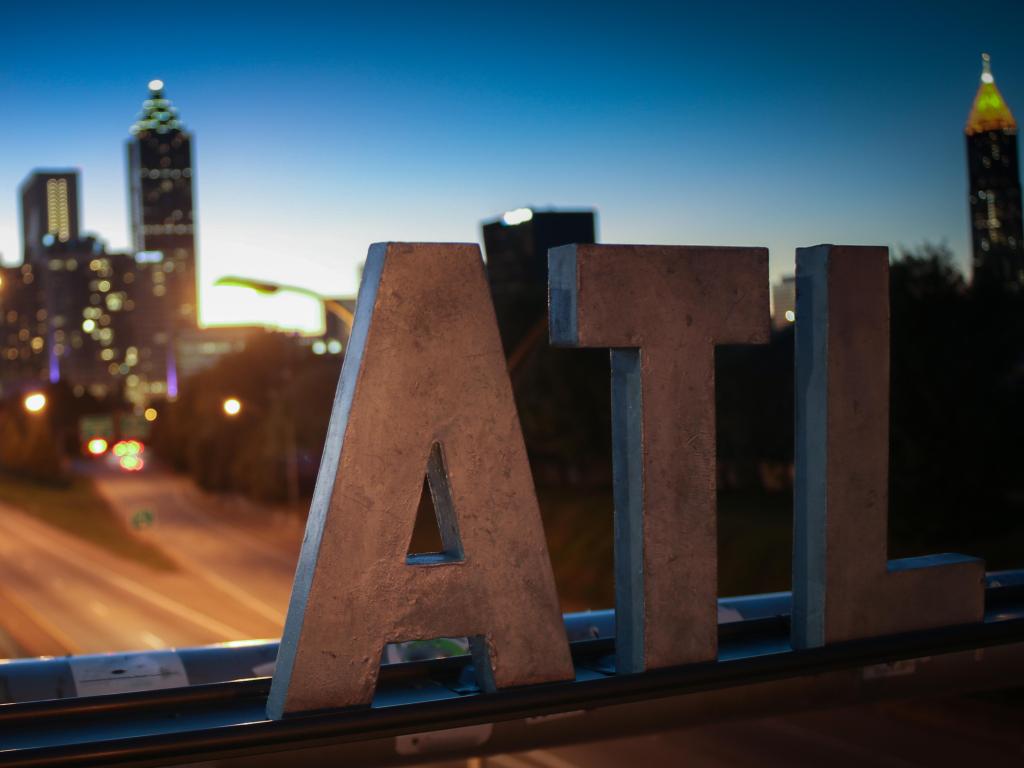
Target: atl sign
424, 389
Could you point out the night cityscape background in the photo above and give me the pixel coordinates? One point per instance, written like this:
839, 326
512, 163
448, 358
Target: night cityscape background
189, 205
700, 124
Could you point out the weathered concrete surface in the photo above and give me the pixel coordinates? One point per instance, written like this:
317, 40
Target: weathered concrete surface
843, 586
424, 367
662, 310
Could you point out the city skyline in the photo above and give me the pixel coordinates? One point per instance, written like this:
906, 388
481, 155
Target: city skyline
746, 133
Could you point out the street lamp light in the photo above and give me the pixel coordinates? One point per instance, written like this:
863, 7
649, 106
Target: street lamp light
233, 406
266, 288
333, 306
34, 402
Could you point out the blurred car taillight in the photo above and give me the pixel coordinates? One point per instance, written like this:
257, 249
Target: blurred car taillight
97, 446
131, 463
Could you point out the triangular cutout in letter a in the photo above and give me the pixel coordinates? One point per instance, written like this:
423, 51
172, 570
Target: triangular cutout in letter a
435, 537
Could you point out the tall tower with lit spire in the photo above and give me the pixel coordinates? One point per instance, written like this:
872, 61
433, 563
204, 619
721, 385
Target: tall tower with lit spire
160, 174
994, 175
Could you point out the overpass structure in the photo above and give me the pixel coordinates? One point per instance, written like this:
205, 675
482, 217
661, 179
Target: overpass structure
190, 705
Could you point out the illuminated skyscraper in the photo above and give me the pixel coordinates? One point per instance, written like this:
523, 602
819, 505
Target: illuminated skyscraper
998, 253
160, 196
23, 329
49, 211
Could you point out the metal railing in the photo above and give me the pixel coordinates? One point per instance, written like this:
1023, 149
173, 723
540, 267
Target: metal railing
433, 708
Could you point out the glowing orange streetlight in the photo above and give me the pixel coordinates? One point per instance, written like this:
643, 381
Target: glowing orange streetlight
34, 402
232, 406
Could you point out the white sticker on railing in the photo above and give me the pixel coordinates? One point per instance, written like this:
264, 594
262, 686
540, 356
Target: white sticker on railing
450, 739
889, 669
127, 672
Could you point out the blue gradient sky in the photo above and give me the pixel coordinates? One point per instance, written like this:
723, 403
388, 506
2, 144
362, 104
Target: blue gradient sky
320, 129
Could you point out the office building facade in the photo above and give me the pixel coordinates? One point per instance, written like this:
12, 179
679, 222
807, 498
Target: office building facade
994, 175
49, 211
516, 245
160, 173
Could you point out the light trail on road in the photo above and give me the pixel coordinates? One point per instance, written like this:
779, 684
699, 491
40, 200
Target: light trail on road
88, 600
245, 550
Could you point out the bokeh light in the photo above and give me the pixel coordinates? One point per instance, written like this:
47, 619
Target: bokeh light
97, 446
35, 402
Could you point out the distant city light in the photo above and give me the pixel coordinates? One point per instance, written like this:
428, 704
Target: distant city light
232, 406
97, 446
790, 315
150, 414
156, 85
319, 347
334, 347
89, 325
124, 448
35, 402
131, 463
518, 216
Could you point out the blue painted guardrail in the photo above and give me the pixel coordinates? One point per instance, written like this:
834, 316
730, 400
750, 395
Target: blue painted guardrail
201, 703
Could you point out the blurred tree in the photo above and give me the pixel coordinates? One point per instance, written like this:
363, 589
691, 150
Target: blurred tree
957, 407
286, 396
957, 416
564, 404
29, 447
754, 412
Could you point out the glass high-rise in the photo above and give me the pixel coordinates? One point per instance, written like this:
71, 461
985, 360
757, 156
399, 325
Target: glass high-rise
160, 174
517, 246
49, 211
998, 243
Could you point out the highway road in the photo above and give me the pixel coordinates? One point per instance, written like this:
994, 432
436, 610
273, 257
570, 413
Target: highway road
245, 550
235, 564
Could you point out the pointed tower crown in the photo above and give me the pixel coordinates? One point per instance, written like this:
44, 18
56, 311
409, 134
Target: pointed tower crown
158, 114
990, 111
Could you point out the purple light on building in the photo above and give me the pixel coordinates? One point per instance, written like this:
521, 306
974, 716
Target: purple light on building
172, 373
54, 364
